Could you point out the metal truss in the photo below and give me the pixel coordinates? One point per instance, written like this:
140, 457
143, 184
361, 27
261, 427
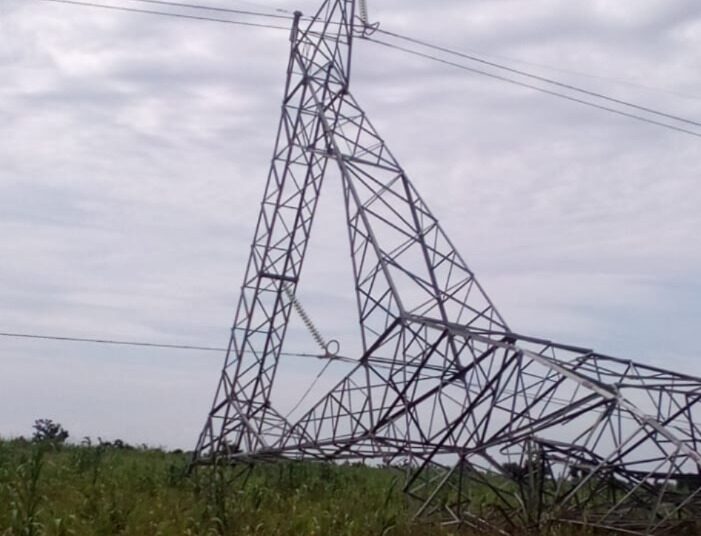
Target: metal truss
493, 429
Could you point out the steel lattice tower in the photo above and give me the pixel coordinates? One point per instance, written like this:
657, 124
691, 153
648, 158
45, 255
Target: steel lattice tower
443, 385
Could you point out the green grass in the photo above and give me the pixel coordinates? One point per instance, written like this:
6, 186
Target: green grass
102, 490
46, 490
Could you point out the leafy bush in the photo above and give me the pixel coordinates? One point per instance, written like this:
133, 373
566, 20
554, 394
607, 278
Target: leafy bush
46, 430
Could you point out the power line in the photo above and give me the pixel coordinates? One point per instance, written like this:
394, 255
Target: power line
288, 16
215, 8
111, 341
148, 344
422, 55
534, 87
378, 362
388, 365
602, 77
169, 14
539, 78
470, 57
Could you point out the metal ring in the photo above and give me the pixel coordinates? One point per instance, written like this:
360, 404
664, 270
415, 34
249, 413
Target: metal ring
332, 348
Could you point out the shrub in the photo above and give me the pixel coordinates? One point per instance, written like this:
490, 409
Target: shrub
46, 430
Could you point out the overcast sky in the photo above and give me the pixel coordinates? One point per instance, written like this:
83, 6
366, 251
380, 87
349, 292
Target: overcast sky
134, 150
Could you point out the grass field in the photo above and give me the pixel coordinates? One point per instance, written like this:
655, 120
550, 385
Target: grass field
52, 489
100, 490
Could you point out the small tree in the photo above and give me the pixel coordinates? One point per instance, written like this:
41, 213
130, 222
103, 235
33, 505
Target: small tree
46, 430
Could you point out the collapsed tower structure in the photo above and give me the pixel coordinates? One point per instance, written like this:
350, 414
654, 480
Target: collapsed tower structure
552, 433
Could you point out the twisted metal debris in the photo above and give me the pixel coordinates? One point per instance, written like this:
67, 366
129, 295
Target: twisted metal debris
496, 430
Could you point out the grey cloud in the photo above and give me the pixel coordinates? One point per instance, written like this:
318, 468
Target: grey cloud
134, 152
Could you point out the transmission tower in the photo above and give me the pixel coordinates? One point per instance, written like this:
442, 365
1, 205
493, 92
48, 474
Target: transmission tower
442, 387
